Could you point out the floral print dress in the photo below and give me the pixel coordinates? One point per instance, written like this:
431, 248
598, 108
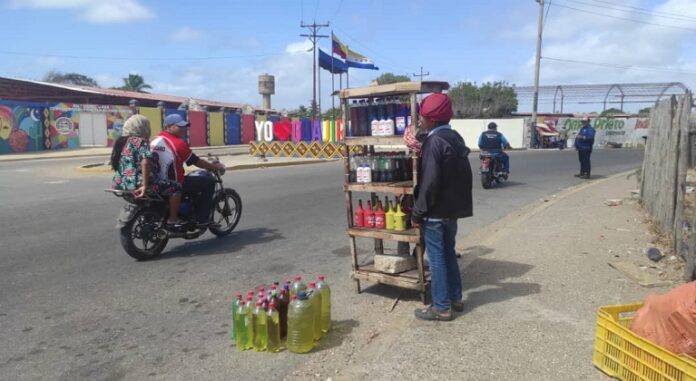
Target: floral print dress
130, 173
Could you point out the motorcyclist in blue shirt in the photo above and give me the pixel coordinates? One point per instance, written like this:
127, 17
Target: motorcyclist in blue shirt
494, 142
583, 144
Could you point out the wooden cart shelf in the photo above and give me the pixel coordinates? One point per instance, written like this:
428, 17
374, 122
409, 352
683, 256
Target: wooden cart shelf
391, 89
395, 140
410, 235
408, 279
402, 187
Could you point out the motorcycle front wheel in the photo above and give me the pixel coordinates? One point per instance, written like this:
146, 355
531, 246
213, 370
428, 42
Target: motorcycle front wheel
227, 210
143, 237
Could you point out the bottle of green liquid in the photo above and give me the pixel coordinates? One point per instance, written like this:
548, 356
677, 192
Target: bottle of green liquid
300, 324
235, 305
325, 291
260, 328
315, 300
273, 328
241, 326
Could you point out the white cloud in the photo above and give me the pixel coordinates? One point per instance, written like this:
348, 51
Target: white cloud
186, 34
93, 11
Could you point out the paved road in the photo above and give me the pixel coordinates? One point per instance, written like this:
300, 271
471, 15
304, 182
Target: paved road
74, 306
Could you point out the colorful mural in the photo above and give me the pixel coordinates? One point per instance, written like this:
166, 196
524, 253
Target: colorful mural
64, 127
21, 127
114, 123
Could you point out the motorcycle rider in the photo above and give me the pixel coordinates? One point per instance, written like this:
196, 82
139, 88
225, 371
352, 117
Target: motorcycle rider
170, 151
494, 142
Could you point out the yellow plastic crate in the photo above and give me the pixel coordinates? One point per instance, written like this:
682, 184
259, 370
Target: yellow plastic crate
622, 354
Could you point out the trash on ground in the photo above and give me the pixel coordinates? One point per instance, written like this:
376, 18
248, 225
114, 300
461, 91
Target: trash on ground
654, 254
613, 202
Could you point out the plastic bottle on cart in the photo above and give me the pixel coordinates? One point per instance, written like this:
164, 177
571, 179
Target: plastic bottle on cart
400, 120
359, 216
388, 173
353, 127
315, 299
399, 218
367, 174
297, 286
260, 328
325, 290
398, 167
235, 305
389, 216
375, 172
241, 327
388, 126
365, 118
374, 119
369, 216
273, 319
353, 167
379, 216
300, 324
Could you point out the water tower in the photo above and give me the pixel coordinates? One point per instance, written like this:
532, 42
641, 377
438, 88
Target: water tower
266, 89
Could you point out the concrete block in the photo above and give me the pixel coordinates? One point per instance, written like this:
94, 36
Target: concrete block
394, 264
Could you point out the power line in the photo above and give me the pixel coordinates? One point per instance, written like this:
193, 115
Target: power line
338, 9
209, 58
421, 75
625, 18
644, 9
638, 11
629, 67
546, 16
376, 54
313, 37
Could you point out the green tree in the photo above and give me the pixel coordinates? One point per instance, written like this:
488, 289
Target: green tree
489, 100
333, 113
301, 111
610, 111
391, 78
70, 78
134, 82
645, 111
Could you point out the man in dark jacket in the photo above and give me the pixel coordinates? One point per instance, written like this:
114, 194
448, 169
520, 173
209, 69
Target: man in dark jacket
443, 195
583, 143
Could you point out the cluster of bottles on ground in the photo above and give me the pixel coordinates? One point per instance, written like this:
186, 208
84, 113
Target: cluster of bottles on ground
381, 167
396, 216
297, 312
379, 116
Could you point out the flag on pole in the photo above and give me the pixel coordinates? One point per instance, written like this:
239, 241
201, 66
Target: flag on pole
337, 47
331, 64
359, 61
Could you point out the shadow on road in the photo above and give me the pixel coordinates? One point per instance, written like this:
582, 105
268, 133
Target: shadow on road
338, 331
234, 242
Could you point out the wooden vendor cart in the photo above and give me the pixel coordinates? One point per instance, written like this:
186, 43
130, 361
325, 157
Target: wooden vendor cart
417, 279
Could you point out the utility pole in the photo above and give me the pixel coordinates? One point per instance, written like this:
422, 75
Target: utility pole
535, 102
421, 75
313, 37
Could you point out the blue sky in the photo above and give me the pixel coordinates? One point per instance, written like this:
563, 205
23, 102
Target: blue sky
215, 49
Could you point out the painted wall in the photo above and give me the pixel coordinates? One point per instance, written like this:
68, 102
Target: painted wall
22, 127
471, 129
627, 131
64, 127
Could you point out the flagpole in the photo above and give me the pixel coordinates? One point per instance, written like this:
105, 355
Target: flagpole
319, 91
333, 89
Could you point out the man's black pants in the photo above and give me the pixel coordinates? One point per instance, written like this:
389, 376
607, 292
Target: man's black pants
584, 156
201, 190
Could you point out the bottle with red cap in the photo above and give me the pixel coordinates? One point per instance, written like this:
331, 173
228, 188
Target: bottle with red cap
273, 318
235, 305
379, 216
282, 306
323, 287
315, 300
297, 286
300, 324
359, 216
260, 328
369, 216
243, 328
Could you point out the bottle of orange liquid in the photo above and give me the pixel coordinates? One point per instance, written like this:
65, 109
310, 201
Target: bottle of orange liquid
369, 216
359, 216
379, 216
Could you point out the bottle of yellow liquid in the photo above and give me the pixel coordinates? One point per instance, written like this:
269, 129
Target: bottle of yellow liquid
315, 299
399, 219
323, 287
242, 328
273, 328
260, 328
300, 324
297, 286
389, 216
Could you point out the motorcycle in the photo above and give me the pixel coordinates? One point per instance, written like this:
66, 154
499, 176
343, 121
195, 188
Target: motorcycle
141, 221
491, 169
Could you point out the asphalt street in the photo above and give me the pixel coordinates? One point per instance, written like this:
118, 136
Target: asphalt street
73, 305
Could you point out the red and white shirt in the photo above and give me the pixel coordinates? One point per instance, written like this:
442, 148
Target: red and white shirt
169, 153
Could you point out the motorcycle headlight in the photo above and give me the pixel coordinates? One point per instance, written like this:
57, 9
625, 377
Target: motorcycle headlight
222, 171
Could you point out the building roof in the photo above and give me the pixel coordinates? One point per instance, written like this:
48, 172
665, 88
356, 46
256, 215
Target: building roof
38, 91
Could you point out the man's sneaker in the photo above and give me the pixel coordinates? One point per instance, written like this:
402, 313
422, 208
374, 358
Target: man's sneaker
430, 313
458, 306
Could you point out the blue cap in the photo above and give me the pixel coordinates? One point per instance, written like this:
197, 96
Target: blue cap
301, 295
177, 119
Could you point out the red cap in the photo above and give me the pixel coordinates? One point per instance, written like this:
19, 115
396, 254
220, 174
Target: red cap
241, 303
238, 295
250, 292
293, 297
437, 107
259, 303
249, 297
287, 281
312, 284
271, 306
274, 287
321, 278
262, 289
298, 278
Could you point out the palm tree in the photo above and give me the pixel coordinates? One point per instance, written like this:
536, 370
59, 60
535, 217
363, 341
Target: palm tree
135, 82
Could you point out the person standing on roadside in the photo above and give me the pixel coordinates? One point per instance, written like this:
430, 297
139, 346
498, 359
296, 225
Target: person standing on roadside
583, 144
442, 196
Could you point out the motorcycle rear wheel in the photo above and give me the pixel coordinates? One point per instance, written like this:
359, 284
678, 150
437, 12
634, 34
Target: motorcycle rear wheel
144, 227
486, 180
227, 210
